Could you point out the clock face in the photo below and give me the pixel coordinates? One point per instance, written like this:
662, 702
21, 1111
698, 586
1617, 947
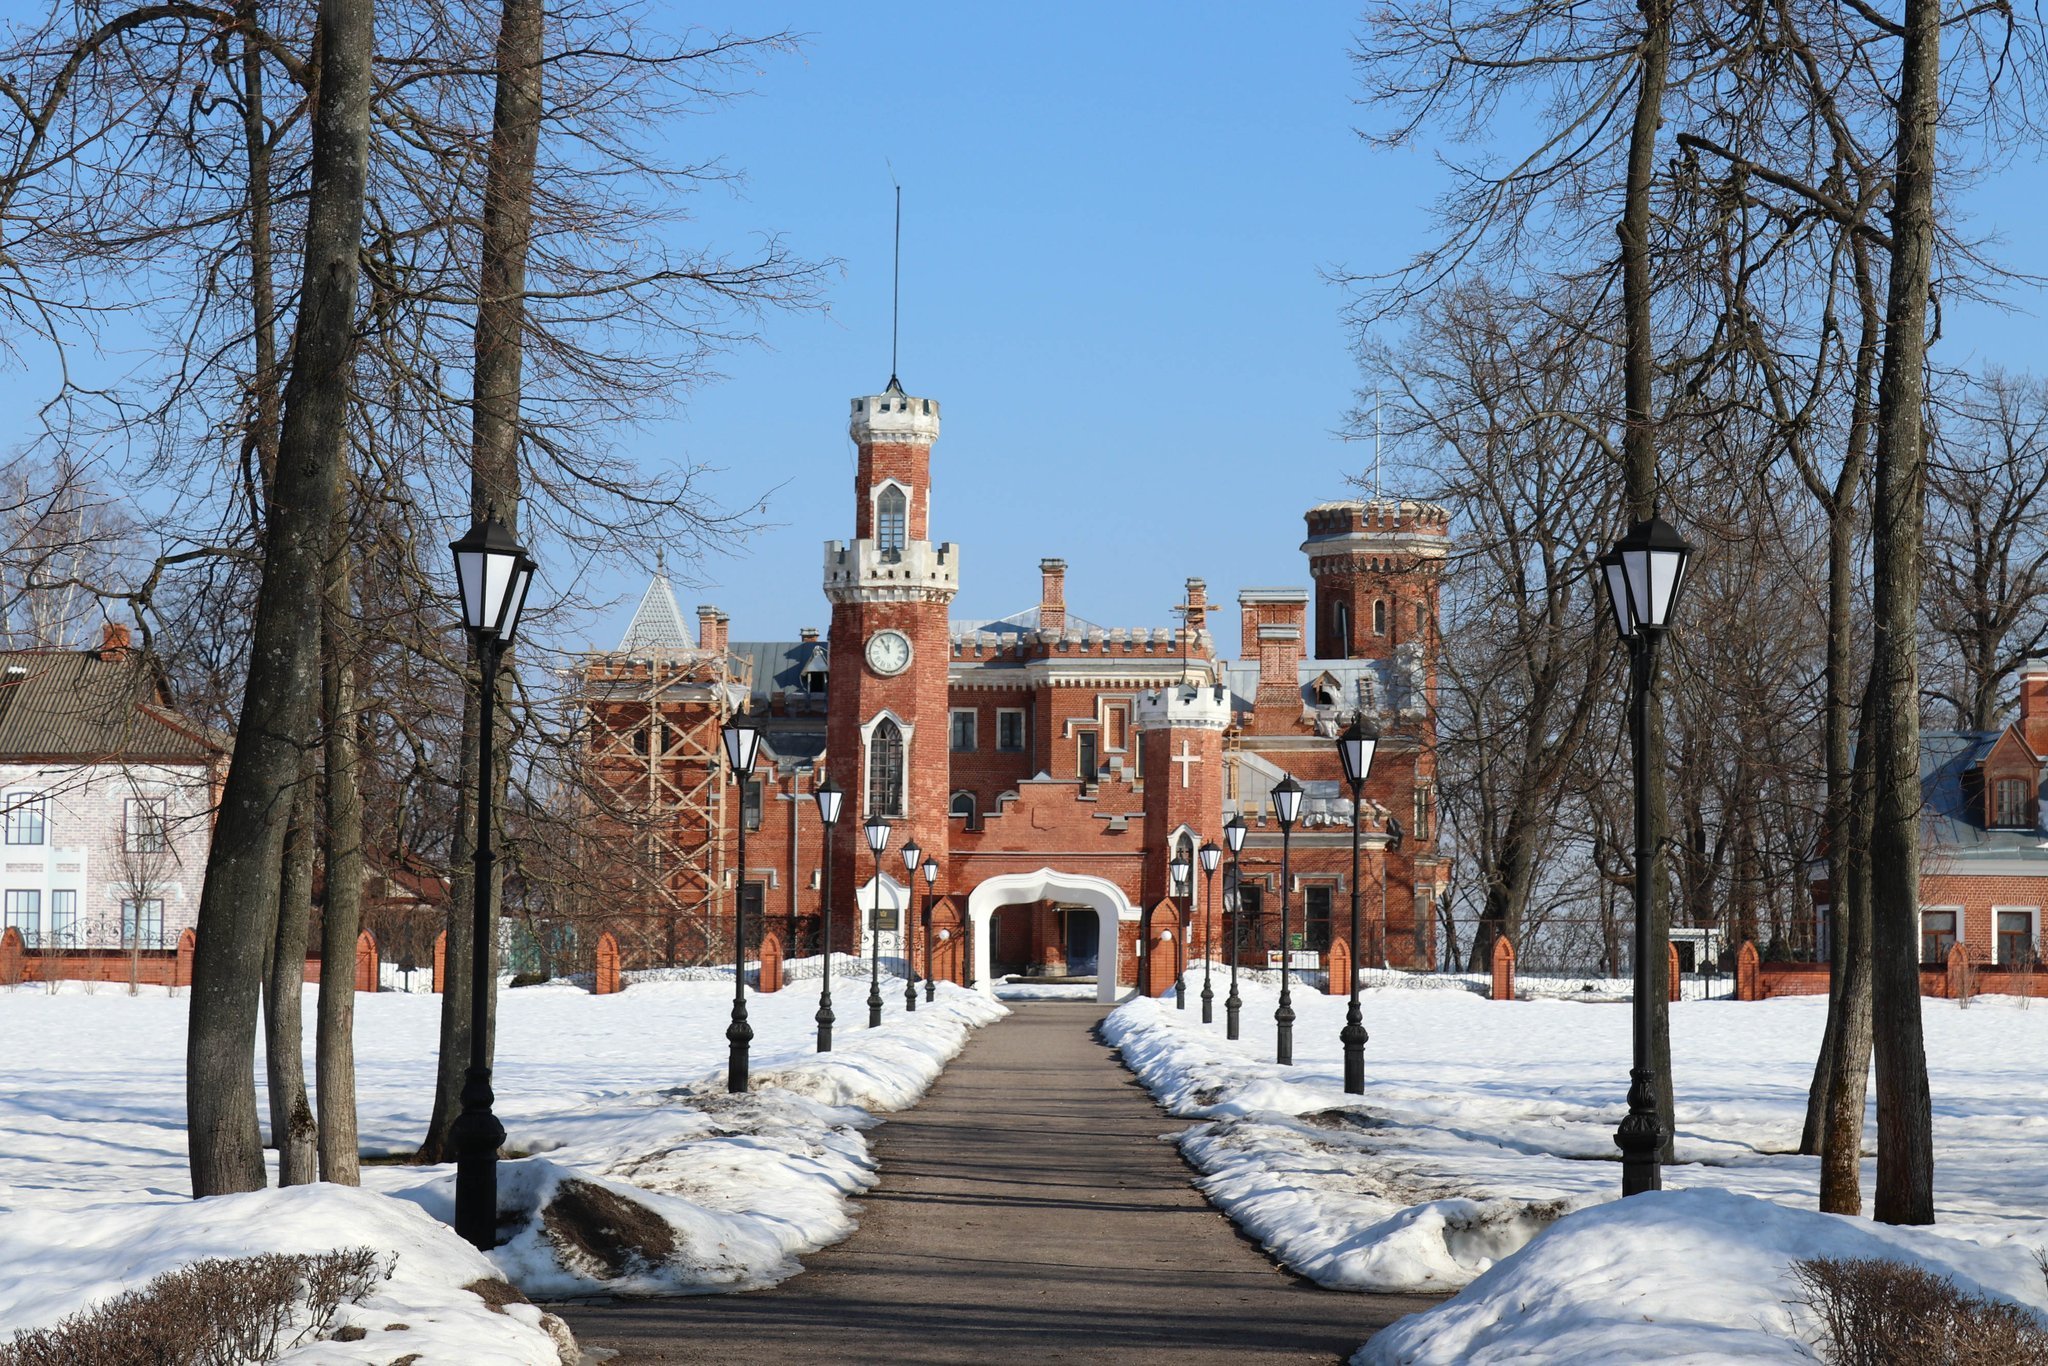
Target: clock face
889, 652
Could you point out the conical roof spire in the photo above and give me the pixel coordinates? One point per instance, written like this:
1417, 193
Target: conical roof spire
657, 622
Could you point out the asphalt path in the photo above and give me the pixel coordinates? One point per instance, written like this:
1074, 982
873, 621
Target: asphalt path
1027, 1211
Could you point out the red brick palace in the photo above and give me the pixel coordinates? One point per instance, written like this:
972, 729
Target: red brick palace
1048, 765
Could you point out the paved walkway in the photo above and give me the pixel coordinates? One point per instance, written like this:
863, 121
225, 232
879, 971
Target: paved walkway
1027, 1212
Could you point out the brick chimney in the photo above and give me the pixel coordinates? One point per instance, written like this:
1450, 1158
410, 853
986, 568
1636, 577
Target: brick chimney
1196, 607
113, 641
1274, 622
711, 627
2034, 703
1052, 595
808, 635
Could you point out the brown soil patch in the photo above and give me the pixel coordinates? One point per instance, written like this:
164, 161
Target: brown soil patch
494, 1292
605, 1233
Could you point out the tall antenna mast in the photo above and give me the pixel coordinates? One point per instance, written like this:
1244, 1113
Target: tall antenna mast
896, 290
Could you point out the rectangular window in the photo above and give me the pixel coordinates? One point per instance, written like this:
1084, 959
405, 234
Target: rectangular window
24, 912
26, 815
1423, 795
2016, 938
2010, 802
142, 923
750, 803
1937, 936
1086, 762
147, 825
1115, 720
1249, 906
64, 919
963, 730
1009, 730
1315, 902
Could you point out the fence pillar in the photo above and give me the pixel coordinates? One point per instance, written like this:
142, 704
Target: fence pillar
1671, 970
1503, 970
181, 969
441, 961
606, 979
367, 975
771, 963
11, 955
1748, 973
1340, 967
1159, 970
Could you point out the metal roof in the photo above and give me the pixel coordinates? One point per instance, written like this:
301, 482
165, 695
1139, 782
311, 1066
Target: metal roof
1953, 823
657, 622
80, 705
1018, 623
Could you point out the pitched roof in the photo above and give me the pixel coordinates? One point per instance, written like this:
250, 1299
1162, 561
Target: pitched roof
657, 622
1018, 623
81, 704
1953, 821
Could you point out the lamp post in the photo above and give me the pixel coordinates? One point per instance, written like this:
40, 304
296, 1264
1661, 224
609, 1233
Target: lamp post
828, 797
931, 877
1355, 749
742, 738
911, 855
1183, 870
1211, 856
1644, 574
877, 831
492, 573
1286, 806
1233, 835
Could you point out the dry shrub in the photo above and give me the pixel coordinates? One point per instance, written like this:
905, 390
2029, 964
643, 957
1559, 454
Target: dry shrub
1878, 1312
220, 1312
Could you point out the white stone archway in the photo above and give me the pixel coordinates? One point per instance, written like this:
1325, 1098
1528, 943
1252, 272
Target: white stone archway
1104, 897
894, 896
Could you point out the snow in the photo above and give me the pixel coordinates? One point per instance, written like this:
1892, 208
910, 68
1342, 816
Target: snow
624, 1091
1486, 1125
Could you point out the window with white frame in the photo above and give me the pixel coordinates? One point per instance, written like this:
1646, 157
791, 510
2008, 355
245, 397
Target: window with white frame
27, 815
962, 728
1938, 932
1010, 729
148, 825
892, 521
885, 769
64, 918
2015, 930
142, 922
962, 805
24, 912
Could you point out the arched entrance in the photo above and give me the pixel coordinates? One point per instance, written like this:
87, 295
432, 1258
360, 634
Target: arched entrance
1105, 898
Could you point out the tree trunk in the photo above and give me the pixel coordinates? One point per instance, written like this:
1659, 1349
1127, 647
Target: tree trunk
342, 917
1846, 820
494, 487
239, 899
1905, 1136
1848, 1064
284, 1058
1639, 457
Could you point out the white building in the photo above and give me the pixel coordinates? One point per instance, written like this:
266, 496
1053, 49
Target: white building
106, 800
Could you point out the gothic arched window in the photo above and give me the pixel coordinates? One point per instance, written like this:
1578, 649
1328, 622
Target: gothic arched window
885, 769
1342, 622
1379, 617
1185, 848
892, 520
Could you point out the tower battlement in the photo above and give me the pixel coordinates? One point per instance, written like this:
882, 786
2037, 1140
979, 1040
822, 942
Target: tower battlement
894, 418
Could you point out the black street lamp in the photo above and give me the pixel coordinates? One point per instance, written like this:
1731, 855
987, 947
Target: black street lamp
492, 573
931, 877
829, 797
911, 855
877, 831
1183, 870
1211, 856
1355, 748
1286, 806
742, 742
1644, 574
1233, 835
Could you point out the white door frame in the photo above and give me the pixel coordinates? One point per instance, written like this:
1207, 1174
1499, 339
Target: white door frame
1112, 908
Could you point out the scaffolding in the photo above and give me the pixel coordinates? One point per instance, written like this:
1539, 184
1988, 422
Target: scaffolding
658, 790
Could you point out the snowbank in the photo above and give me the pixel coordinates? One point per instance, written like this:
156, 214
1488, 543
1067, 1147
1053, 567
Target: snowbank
620, 1095
1484, 1124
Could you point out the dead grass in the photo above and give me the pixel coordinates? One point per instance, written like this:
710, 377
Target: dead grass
218, 1312
1877, 1312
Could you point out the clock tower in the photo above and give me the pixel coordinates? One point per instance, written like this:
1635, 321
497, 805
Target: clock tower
890, 588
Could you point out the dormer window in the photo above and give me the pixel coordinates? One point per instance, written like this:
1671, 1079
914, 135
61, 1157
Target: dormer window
2010, 800
892, 521
814, 682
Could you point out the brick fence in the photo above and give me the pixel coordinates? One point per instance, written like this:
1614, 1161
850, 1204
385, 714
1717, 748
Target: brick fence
149, 967
1966, 974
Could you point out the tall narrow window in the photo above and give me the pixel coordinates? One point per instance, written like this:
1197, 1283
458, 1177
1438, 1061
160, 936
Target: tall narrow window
1086, 761
1341, 628
64, 919
25, 913
892, 521
147, 825
1379, 617
1315, 901
750, 802
885, 769
142, 922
